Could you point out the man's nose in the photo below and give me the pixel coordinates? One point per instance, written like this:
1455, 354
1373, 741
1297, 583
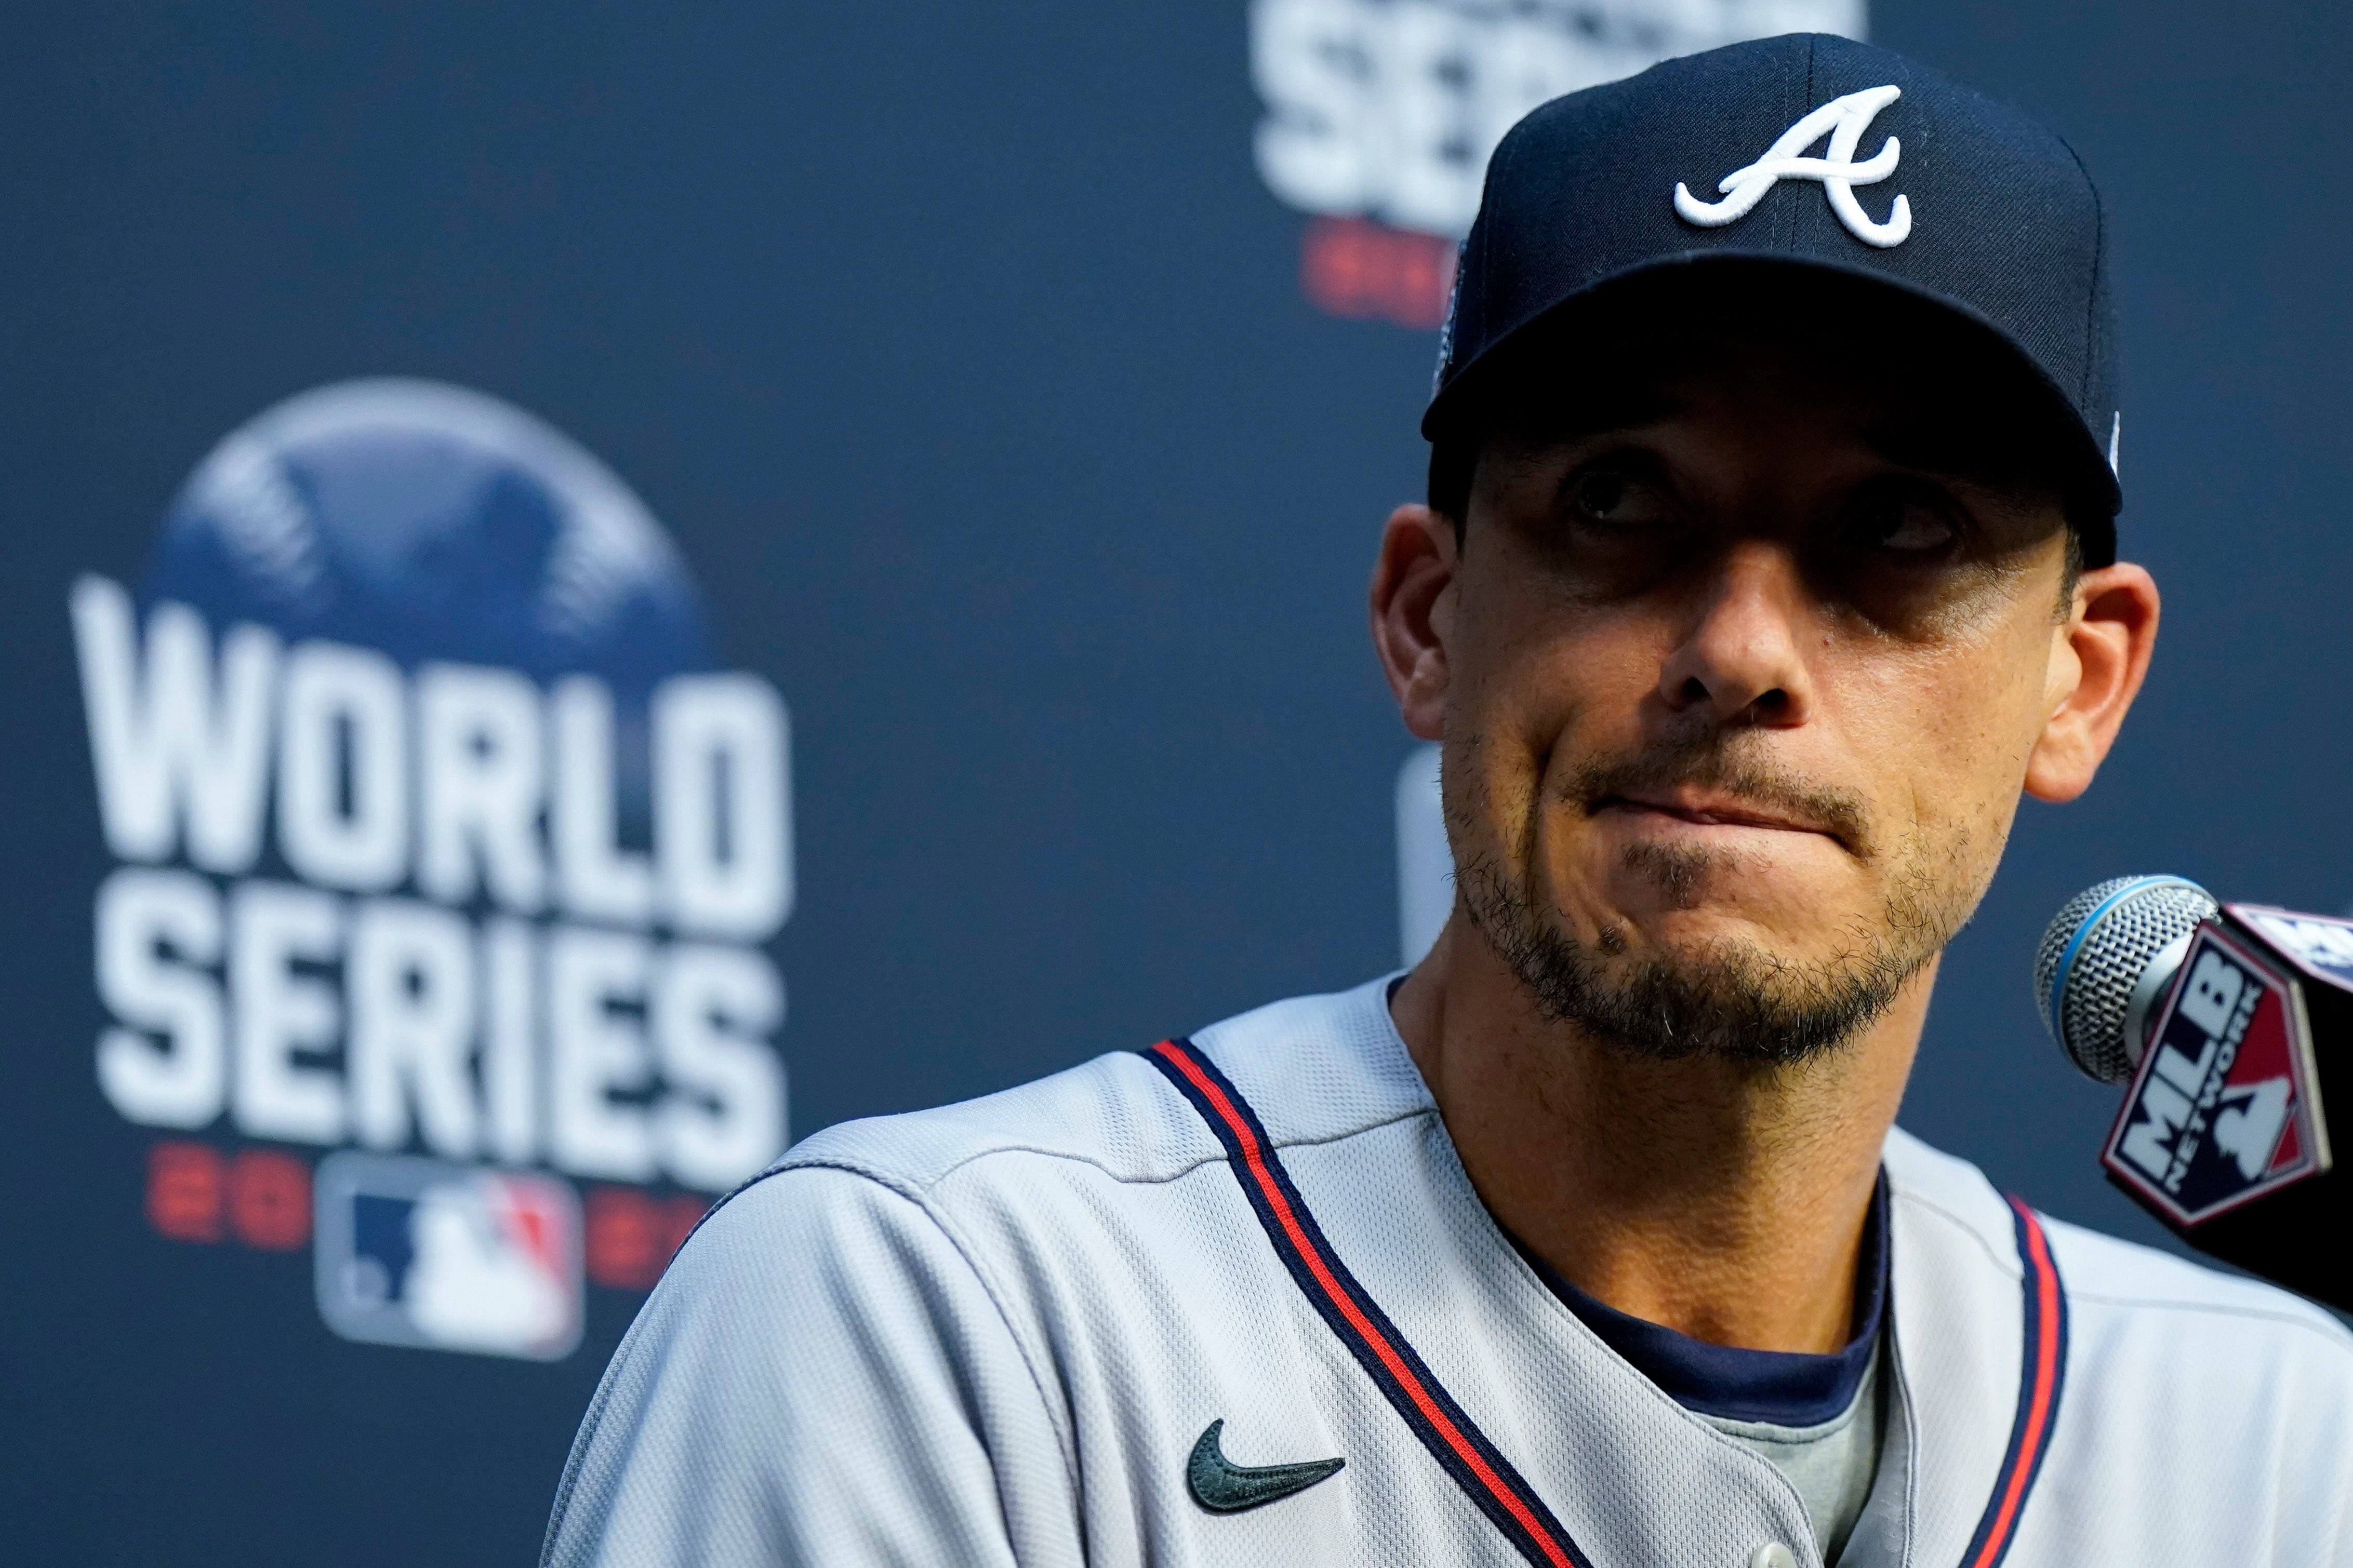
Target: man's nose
1740, 658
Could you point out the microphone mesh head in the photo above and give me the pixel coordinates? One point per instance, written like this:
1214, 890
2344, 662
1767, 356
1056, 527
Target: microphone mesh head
2095, 952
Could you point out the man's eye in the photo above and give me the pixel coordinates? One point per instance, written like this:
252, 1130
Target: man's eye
1614, 499
1904, 525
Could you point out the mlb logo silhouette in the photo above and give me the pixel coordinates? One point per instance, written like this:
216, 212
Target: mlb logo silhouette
440, 1256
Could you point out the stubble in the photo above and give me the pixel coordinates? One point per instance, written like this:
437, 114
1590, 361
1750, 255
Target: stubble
1735, 999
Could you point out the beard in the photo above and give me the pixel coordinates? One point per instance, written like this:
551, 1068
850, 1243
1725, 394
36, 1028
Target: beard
1735, 1000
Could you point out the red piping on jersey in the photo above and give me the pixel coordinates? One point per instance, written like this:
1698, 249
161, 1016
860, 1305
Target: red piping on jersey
2045, 1364
1254, 1158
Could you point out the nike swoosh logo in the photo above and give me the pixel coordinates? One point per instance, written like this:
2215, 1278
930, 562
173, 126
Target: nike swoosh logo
1223, 1486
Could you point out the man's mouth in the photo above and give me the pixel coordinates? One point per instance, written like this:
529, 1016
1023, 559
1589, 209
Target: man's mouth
1710, 808
1701, 789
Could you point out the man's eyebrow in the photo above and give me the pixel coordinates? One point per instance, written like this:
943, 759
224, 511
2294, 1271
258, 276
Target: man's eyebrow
1970, 456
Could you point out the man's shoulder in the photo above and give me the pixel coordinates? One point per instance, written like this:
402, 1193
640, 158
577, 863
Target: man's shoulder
2123, 1292
2103, 1271
1302, 1061
1107, 1114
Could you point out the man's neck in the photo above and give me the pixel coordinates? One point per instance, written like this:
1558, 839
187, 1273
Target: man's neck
1724, 1200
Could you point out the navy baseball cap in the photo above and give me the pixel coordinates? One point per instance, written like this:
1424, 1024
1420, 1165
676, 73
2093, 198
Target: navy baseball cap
1811, 151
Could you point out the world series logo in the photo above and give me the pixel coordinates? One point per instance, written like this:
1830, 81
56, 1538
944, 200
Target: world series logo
441, 840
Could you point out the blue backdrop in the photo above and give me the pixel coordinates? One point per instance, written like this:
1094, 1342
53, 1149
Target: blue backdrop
983, 384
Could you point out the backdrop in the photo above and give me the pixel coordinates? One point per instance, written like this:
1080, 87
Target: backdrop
591, 592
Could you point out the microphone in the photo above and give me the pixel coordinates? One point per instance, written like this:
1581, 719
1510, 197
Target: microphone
2231, 1025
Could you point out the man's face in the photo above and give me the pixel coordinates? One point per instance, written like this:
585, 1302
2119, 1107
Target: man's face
1742, 690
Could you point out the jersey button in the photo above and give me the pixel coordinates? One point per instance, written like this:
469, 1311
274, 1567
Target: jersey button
1772, 1555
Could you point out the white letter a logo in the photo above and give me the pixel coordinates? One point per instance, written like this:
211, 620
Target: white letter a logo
1844, 121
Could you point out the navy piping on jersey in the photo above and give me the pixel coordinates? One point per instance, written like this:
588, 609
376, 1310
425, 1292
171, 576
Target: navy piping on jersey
1783, 1387
1447, 1430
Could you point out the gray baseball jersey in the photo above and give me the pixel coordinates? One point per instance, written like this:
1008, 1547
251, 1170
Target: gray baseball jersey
1129, 1314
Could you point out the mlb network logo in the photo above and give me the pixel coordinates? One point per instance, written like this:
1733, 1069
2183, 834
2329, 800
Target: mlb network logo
2223, 1110
436, 1255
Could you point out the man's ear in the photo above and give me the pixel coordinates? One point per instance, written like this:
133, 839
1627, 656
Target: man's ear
1411, 611
2098, 660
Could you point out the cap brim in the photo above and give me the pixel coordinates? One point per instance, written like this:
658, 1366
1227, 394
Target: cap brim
1459, 400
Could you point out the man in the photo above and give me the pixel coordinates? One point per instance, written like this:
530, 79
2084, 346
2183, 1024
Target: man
1770, 558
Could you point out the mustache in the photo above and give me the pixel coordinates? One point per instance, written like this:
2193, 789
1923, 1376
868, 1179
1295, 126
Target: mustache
1727, 762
